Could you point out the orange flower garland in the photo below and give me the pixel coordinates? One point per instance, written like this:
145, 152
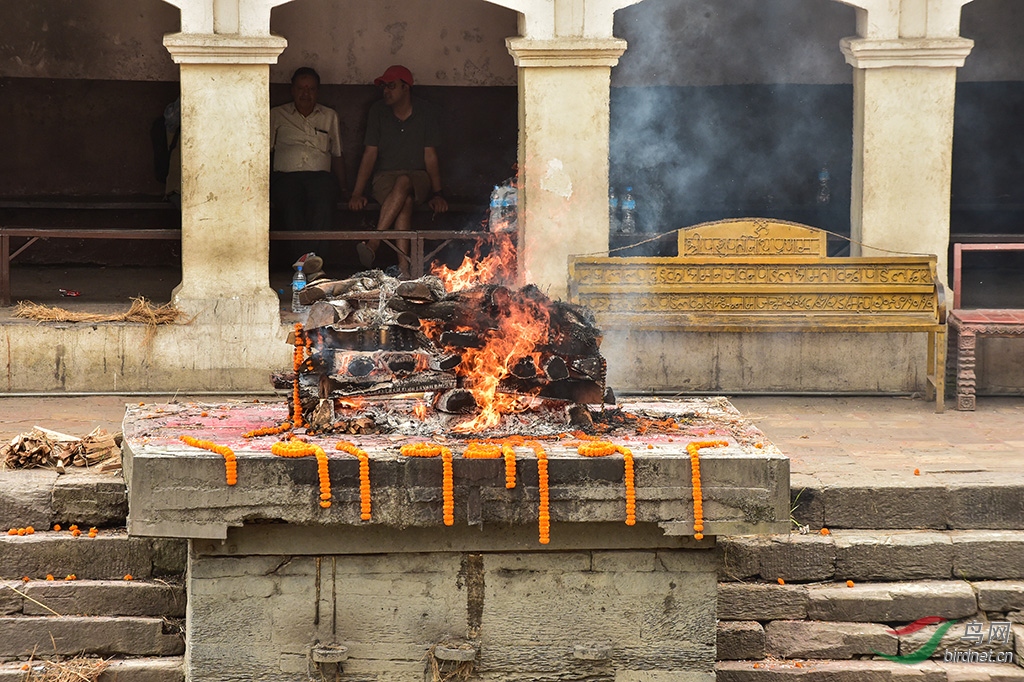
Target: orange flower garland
478, 450
230, 464
603, 449
268, 430
447, 486
510, 465
298, 448
543, 508
694, 449
297, 358
364, 476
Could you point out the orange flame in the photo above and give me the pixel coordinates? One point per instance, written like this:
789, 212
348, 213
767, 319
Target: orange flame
420, 410
498, 266
354, 403
519, 332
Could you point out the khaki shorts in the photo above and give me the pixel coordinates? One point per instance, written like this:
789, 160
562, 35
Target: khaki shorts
384, 182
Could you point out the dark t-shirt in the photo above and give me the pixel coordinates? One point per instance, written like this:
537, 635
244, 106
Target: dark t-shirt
400, 143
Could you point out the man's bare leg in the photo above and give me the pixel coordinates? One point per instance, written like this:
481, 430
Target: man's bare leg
392, 207
404, 223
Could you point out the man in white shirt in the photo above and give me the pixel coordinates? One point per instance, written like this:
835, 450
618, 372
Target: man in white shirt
308, 168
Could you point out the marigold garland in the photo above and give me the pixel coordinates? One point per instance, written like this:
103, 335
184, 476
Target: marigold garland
603, 449
298, 448
364, 476
543, 508
510, 465
230, 464
694, 449
478, 450
447, 485
268, 430
297, 359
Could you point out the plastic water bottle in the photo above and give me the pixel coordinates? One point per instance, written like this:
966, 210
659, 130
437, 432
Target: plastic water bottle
494, 217
613, 211
628, 212
824, 193
298, 284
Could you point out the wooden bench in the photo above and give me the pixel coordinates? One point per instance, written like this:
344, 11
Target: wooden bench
966, 325
419, 240
761, 275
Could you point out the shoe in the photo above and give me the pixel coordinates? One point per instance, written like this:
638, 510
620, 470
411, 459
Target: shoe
310, 262
366, 254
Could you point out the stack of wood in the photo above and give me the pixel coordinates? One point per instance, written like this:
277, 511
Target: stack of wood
373, 335
43, 448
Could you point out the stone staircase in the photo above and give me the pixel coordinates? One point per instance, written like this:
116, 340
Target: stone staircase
134, 624
821, 606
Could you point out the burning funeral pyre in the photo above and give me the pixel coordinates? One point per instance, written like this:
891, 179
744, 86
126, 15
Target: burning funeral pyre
477, 352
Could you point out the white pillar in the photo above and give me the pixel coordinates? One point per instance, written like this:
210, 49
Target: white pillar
225, 142
563, 153
903, 96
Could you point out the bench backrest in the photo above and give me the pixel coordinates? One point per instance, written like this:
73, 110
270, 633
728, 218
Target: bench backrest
756, 266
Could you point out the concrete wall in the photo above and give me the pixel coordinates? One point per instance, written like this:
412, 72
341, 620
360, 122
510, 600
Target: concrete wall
257, 616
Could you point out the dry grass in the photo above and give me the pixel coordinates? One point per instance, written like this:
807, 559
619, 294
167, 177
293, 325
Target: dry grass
74, 670
141, 311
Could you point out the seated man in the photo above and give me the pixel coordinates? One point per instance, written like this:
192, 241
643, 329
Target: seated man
308, 168
402, 134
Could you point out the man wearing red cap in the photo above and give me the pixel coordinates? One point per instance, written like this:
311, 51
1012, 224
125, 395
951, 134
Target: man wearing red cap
402, 135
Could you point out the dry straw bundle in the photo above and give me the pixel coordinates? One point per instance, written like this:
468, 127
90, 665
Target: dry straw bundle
74, 670
141, 311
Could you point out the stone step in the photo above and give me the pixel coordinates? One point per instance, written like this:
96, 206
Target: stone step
889, 602
41, 498
894, 500
811, 639
876, 555
866, 671
109, 556
43, 636
92, 598
165, 669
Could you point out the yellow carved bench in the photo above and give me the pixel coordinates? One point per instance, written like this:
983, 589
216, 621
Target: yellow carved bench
761, 275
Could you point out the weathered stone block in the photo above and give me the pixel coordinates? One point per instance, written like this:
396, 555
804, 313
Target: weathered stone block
90, 499
988, 554
741, 556
25, 499
93, 635
986, 506
806, 500
1000, 595
623, 561
105, 598
103, 557
827, 640
897, 555
10, 601
740, 640
953, 640
800, 558
168, 669
760, 601
885, 507
891, 602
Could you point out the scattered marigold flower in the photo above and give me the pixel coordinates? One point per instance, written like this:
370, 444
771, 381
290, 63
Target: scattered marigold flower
21, 531
71, 576
758, 445
917, 472
825, 531
849, 583
650, 447
73, 527
13, 531
128, 576
204, 414
798, 664
25, 579
56, 527
25, 666
781, 581
29, 530
49, 576
76, 533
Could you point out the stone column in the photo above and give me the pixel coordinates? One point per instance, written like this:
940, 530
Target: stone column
563, 153
903, 95
225, 142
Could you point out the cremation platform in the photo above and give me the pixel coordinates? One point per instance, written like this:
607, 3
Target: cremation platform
281, 588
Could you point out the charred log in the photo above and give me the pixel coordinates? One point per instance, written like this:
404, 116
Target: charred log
555, 369
526, 368
455, 401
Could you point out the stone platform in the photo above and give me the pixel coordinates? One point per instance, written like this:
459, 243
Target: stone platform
273, 577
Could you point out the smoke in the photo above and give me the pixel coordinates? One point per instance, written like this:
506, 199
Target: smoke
721, 109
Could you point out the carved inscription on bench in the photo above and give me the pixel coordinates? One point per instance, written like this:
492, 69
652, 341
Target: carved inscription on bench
753, 237
744, 273
680, 303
